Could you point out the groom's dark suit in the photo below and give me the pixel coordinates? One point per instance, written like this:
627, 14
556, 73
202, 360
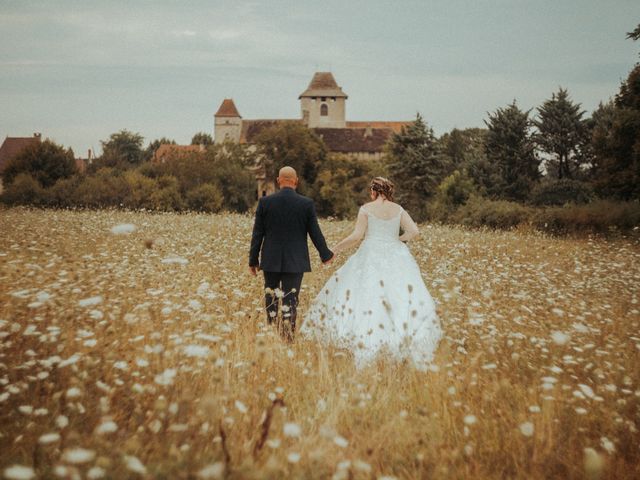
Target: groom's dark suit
279, 237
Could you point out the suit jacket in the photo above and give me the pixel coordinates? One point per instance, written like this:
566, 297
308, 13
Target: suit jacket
280, 230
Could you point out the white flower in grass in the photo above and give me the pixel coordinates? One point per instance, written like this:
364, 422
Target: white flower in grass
242, 408
607, 445
470, 419
559, 338
73, 393
123, 229
78, 455
293, 457
106, 427
134, 465
96, 472
87, 302
166, 378
340, 441
213, 471
526, 429
48, 438
19, 472
292, 430
62, 421
25, 409
196, 350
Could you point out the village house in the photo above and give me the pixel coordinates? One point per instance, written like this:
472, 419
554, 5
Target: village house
12, 146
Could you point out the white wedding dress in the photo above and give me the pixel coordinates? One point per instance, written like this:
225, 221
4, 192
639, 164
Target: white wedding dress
377, 302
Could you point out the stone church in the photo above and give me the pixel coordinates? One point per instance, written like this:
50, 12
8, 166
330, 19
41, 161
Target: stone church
323, 110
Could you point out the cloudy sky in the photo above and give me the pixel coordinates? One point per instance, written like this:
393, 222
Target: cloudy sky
78, 71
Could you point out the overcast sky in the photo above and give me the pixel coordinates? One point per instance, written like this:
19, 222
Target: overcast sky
78, 71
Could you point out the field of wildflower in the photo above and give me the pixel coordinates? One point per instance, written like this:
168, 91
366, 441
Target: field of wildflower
133, 345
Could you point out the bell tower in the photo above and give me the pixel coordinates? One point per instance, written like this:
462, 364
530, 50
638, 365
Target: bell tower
228, 122
323, 103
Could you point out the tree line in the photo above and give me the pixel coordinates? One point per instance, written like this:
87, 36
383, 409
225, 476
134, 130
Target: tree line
554, 167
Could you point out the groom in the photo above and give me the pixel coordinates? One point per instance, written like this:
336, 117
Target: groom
280, 230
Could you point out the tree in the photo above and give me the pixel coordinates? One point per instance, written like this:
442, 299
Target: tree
416, 164
123, 150
562, 134
151, 149
45, 161
291, 144
463, 146
617, 140
202, 138
342, 184
512, 165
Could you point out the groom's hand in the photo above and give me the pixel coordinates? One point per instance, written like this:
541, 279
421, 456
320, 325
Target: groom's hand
254, 270
330, 260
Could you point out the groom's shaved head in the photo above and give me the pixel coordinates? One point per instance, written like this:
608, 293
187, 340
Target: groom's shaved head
287, 177
287, 173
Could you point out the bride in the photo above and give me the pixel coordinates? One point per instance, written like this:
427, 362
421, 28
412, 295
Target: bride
377, 301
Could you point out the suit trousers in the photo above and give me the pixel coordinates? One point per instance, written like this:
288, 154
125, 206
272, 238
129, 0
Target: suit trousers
288, 285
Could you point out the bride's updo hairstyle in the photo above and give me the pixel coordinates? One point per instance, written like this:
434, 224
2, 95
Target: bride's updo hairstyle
384, 187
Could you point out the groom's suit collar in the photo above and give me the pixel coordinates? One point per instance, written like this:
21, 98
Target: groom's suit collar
287, 190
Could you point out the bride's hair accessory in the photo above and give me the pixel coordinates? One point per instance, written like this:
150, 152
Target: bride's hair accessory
383, 186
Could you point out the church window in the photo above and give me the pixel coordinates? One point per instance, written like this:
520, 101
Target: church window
324, 110
324, 99
333, 99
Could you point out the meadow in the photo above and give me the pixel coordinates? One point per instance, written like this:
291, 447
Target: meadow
133, 345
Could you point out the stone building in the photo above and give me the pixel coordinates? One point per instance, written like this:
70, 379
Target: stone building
323, 110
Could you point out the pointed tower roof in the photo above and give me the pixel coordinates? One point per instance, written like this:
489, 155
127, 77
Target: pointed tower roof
227, 109
323, 85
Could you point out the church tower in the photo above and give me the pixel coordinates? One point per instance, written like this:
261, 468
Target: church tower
323, 103
228, 122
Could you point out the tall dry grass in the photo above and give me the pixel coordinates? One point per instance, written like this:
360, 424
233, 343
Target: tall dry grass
145, 355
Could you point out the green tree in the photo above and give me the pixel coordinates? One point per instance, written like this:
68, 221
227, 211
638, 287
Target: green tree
562, 135
291, 144
202, 138
342, 184
205, 198
123, 150
512, 165
463, 146
617, 142
45, 161
417, 165
151, 149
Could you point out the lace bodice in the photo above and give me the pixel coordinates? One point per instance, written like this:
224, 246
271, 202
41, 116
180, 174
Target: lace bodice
382, 229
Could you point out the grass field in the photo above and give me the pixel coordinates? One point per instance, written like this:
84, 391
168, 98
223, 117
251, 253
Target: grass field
145, 355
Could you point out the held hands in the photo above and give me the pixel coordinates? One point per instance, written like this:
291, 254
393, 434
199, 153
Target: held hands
327, 262
254, 270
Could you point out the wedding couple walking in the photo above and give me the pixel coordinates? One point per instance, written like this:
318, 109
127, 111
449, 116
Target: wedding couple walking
375, 302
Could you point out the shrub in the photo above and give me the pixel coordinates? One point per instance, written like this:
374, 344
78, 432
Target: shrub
206, 198
453, 192
167, 196
139, 190
503, 214
24, 190
105, 188
560, 192
63, 193
598, 217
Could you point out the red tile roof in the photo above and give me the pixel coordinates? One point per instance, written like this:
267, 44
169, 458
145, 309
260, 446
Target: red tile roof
395, 126
227, 109
14, 145
323, 85
354, 140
